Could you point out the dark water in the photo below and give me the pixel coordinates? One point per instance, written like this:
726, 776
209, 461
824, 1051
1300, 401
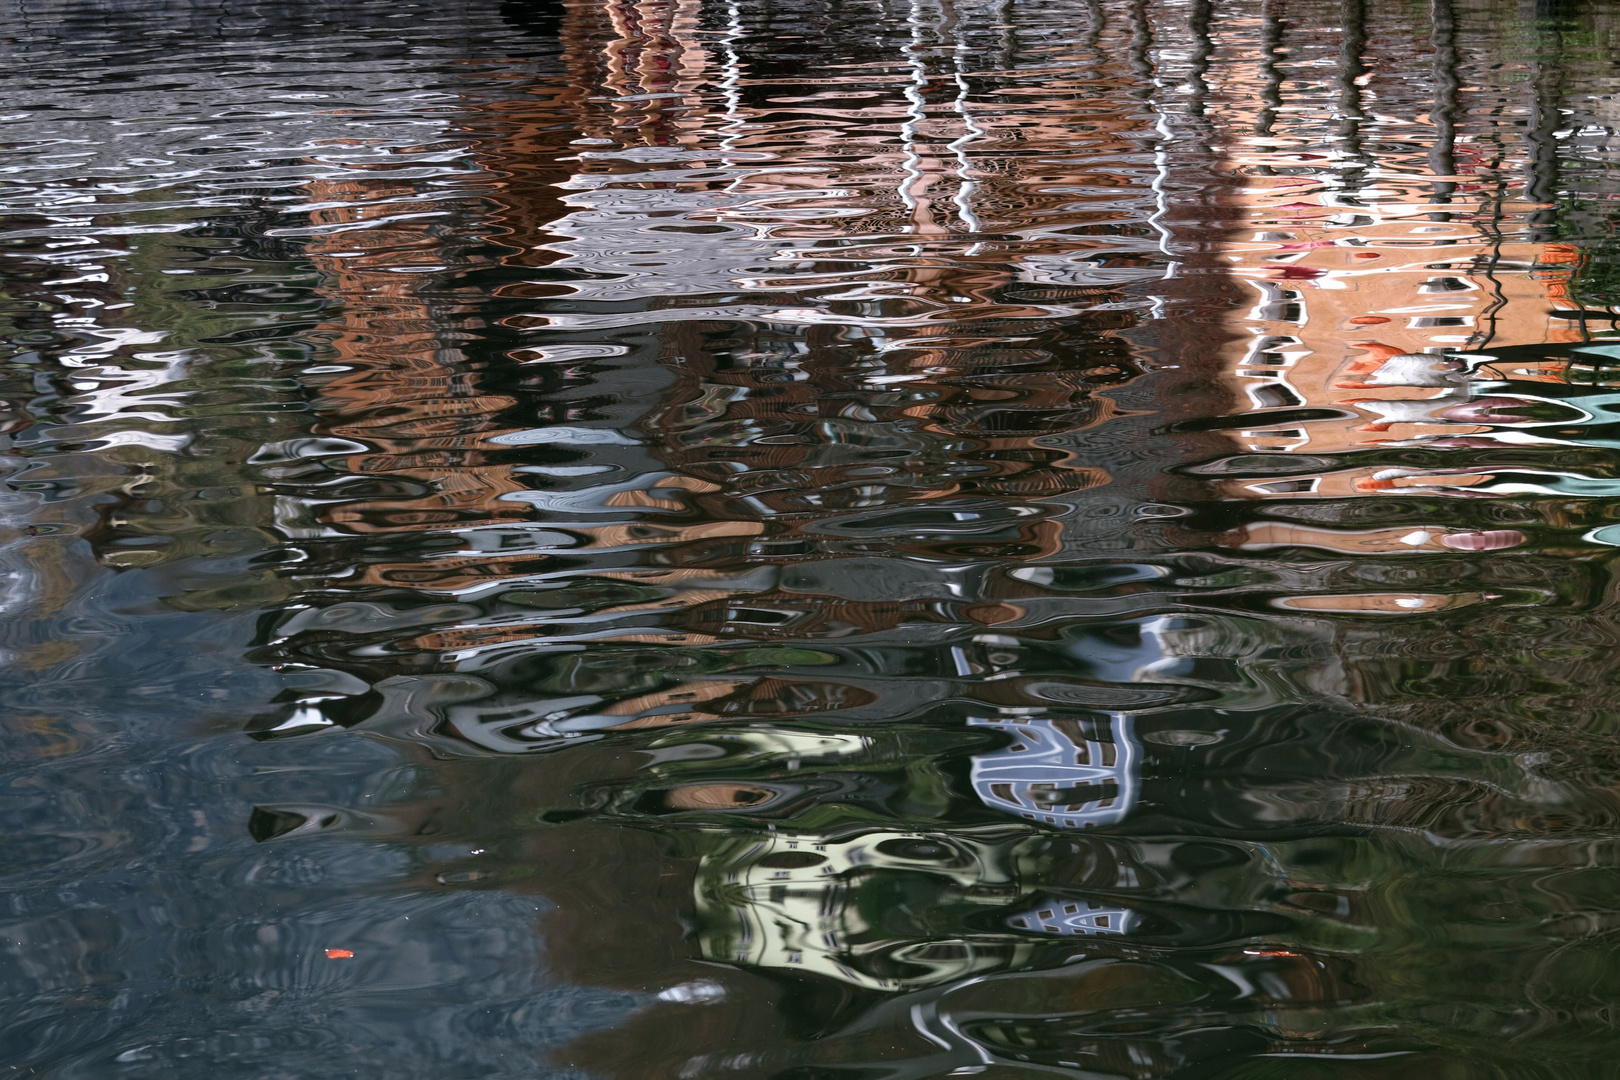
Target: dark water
812, 539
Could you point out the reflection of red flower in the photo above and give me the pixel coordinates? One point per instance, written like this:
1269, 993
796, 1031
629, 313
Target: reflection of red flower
1297, 273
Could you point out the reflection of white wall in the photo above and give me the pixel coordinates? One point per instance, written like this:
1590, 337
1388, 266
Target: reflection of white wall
790, 903
793, 903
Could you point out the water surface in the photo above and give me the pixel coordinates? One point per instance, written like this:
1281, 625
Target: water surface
810, 540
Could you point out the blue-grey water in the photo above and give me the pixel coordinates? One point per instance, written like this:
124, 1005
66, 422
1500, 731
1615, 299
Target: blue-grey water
809, 539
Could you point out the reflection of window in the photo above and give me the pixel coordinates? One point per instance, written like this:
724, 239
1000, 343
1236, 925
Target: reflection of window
1444, 285
1285, 487
1275, 396
1268, 440
1072, 773
1269, 350
768, 616
1279, 305
1073, 918
1428, 322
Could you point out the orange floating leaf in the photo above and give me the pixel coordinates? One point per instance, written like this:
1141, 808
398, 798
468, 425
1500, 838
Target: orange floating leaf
338, 954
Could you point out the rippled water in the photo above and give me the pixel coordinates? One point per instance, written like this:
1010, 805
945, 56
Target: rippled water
810, 540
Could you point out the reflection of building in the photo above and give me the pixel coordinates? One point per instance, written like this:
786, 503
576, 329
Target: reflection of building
827, 906
822, 485
1359, 315
886, 396
1368, 274
1060, 772
821, 470
843, 442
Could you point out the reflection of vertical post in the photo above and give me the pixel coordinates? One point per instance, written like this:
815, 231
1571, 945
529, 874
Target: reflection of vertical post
1198, 22
1443, 113
916, 176
960, 55
1541, 135
730, 88
1142, 63
1141, 43
1008, 46
1490, 229
1352, 167
1096, 20
1271, 29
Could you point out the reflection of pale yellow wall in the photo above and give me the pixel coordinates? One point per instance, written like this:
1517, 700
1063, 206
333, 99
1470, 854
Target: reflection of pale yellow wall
1335, 300
1353, 252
